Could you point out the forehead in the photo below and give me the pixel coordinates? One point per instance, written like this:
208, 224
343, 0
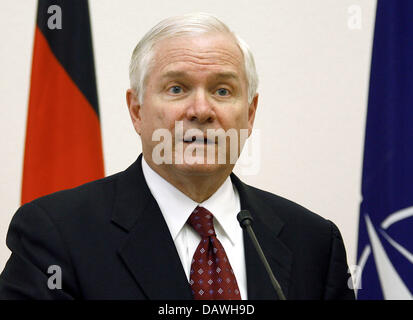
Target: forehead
213, 53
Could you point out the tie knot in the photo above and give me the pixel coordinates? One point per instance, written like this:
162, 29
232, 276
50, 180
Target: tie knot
201, 221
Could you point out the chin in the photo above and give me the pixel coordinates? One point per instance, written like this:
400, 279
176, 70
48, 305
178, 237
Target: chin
200, 169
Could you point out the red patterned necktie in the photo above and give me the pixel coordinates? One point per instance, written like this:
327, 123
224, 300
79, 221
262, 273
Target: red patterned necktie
212, 277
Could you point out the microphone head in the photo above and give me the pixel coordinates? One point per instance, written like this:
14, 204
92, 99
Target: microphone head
244, 218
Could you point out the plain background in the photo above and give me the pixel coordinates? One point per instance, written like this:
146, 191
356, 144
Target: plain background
313, 61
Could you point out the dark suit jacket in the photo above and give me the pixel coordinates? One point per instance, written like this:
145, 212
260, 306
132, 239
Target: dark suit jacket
111, 242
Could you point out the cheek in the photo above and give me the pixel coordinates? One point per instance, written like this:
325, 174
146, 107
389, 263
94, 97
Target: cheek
235, 118
168, 113
160, 116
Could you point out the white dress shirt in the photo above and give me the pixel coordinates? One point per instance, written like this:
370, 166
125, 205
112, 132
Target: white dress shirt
176, 207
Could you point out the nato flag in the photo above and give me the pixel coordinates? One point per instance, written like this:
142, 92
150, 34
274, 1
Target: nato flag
385, 243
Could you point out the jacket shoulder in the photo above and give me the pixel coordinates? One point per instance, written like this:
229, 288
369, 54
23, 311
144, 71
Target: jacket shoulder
290, 212
87, 198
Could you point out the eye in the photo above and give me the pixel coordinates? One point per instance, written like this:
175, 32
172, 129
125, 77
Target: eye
222, 92
175, 90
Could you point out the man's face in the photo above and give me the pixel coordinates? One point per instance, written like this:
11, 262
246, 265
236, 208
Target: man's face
201, 82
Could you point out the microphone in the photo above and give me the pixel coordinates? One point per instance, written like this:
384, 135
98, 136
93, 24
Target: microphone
245, 220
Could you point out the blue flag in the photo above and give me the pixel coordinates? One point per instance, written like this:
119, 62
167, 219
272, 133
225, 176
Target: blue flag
385, 243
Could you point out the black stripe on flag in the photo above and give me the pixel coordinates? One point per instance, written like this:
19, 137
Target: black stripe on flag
72, 44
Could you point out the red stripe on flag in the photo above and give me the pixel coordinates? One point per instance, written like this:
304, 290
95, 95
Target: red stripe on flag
63, 140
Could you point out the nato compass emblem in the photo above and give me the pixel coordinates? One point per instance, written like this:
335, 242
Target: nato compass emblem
388, 257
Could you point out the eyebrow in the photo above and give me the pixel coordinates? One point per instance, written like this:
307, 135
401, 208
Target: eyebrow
227, 75
219, 75
174, 74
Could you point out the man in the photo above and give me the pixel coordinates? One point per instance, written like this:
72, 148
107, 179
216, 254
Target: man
166, 227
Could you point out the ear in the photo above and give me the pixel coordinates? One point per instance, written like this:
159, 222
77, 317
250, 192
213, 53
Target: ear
134, 109
251, 113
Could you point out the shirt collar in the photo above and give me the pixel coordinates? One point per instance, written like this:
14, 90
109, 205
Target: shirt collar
176, 207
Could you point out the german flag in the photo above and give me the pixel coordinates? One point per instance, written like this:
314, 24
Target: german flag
63, 145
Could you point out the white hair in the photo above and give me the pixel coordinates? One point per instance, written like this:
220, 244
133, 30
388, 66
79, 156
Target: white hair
185, 25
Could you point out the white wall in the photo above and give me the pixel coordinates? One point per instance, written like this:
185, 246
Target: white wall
314, 73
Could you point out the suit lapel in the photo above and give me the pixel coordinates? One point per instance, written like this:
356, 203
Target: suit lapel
266, 226
149, 252
150, 255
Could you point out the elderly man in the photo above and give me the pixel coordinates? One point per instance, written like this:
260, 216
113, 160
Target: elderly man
166, 227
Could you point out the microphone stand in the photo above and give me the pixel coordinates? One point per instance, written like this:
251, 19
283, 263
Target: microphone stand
245, 220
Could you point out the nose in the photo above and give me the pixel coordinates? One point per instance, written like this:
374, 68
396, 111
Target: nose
200, 108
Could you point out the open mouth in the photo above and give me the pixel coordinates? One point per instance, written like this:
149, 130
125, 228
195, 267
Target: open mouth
203, 140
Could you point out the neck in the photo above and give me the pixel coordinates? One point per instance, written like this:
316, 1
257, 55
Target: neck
197, 185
